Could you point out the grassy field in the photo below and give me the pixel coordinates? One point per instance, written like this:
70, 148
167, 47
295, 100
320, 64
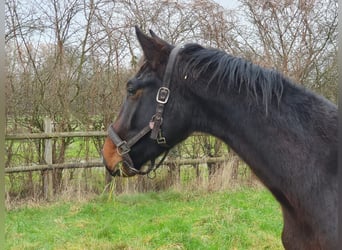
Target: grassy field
241, 219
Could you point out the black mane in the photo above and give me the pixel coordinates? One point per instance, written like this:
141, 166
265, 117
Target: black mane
229, 72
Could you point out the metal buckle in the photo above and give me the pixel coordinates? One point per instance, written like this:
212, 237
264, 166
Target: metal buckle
122, 148
163, 95
161, 139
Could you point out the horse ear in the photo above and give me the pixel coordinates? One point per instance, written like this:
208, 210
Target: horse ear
159, 40
155, 49
147, 43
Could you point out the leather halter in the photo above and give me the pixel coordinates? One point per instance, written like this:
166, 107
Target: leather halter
124, 147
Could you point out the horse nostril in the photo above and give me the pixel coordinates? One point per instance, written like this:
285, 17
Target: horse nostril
112, 173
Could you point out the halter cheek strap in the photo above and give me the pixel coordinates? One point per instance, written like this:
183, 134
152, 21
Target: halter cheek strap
124, 147
163, 96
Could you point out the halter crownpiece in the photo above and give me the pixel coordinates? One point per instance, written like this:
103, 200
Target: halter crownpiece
162, 97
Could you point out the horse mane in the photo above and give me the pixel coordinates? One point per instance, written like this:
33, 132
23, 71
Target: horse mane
229, 72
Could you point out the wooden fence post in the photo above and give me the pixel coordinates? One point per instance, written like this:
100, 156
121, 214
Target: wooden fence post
47, 174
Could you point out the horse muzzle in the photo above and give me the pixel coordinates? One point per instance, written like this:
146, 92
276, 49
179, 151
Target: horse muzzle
117, 164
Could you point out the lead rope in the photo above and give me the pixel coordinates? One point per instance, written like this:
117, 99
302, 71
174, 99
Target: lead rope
153, 169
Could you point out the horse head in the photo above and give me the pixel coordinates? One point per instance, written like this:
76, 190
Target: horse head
155, 115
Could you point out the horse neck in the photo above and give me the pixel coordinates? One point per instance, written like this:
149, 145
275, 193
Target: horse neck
266, 140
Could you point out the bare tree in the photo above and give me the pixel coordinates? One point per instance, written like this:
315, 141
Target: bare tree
295, 37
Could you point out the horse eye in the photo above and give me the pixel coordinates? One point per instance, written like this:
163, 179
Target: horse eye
131, 91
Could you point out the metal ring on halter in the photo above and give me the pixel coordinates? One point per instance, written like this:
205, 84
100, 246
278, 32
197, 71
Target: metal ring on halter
156, 117
123, 148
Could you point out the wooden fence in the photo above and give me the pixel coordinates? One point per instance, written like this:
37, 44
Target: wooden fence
48, 136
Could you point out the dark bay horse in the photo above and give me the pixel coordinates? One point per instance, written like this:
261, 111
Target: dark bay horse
285, 133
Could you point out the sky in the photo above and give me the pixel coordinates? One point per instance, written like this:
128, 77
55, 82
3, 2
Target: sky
229, 4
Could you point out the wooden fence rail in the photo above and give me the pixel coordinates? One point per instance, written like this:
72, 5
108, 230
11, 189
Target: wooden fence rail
54, 135
98, 163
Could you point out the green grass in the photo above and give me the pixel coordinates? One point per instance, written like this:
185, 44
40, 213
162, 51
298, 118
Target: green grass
242, 219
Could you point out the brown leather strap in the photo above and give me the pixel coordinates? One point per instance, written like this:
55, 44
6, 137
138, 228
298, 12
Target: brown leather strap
163, 96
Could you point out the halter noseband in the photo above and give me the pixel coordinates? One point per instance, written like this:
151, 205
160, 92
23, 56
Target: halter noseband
124, 147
